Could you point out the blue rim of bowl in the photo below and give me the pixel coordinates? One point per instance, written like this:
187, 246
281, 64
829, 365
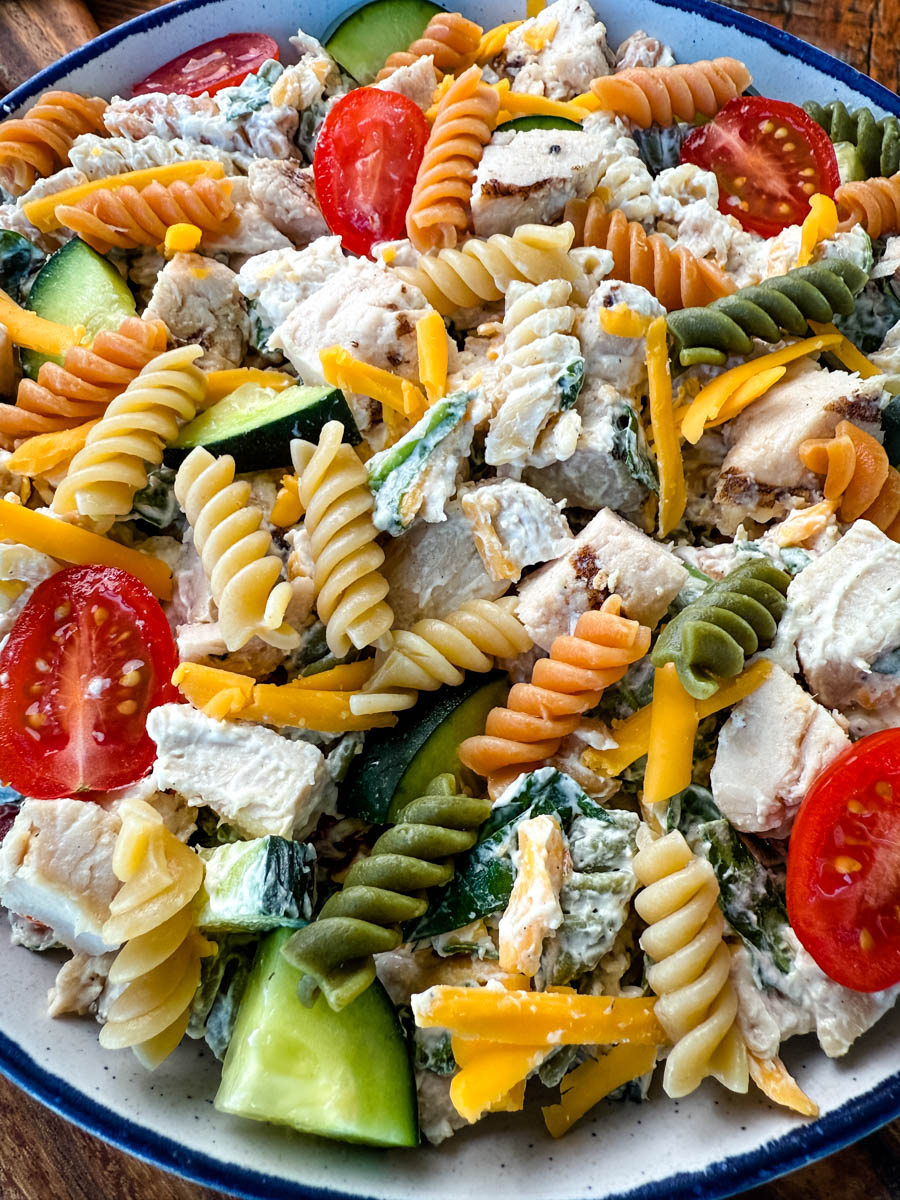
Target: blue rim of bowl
798, 1148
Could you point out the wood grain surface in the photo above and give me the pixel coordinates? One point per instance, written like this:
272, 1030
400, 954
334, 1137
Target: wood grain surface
42, 1157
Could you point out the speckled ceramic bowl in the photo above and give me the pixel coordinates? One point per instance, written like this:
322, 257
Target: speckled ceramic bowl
712, 1144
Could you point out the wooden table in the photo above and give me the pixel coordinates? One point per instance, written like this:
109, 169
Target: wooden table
42, 1157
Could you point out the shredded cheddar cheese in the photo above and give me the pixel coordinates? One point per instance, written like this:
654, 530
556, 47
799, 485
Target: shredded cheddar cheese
748, 391
45, 452
182, 237
222, 383
850, 356
431, 341
673, 727
622, 321
42, 212
672, 490
775, 1081
489, 1073
493, 41
541, 35
31, 332
288, 507
820, 224
70, 544
342, 370
523, 104
590, 1082
805, 523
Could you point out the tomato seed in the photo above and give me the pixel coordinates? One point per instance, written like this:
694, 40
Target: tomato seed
847, 865
866, 941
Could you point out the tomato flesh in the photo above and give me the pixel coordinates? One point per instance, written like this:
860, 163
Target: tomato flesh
223, 62
843, 875
769, 158
90, 654
366, 161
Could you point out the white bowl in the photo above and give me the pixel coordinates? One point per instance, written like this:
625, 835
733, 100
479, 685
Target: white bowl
711, 1144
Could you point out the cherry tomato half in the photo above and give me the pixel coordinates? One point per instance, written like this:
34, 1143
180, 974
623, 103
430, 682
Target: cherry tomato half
90, 654
769, 158
223, 62
843, 874
366, 161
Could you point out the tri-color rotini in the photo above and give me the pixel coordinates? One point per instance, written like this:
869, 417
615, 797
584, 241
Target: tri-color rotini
481, 270
858, 477
37, 144
710, 639
89, 378
767, 310
664, 95
678, 278
350, 589
439, 211
384, 891
153, 914
104, 476
450, 38
697, 1005
244, 578
538, 715
877, 141
872, 203
126, 218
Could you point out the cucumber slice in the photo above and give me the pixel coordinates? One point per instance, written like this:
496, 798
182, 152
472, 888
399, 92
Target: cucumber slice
362, 42
255, 425
396, 765
518, 124
343, 1075
77, 286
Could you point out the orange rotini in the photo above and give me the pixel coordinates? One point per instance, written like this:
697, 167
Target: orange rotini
664, 95
872, 203
675, 276
857, 475
37, 144
539, 714
128, 218
440, 209
90, 377
450, 39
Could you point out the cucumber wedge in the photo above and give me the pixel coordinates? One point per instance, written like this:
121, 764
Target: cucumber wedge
77, 286
519, 124
255, 425
396, 765
368, 36
344, 1075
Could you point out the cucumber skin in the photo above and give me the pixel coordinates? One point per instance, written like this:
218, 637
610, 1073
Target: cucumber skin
396, 764
522, 124
52, 279
365, 60
353, 1079
269, 447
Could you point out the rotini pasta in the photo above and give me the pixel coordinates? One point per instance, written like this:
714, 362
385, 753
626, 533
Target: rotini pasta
90, 377
152, 913
712, 636
782, 304
103, 477
350, 589
439, 210
37, 144
126, 218
480, 271
664, 95
383, 891
541, 369
450, 39
697, 1005
434, 653
539, 714
872, 203
234, 549
675, 276
858, 476
877, 142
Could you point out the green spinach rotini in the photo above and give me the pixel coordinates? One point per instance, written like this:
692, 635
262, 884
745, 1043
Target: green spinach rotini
710, 639
877, 142
383, 891
779, 305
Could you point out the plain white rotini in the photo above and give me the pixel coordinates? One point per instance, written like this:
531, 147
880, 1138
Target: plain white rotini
436, 652
697, 1005
153, 914
481, 270
234, 549
624, 182
105, 474
538, 352
350, 589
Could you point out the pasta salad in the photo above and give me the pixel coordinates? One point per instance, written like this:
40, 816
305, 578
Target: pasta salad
449, 516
